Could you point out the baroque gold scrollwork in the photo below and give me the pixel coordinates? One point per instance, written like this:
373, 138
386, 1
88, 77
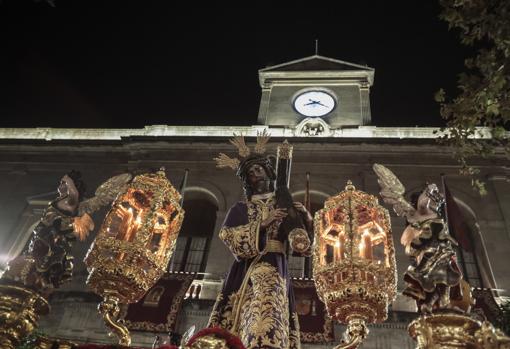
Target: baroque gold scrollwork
135, 242
453, 330
242, 240
265, 322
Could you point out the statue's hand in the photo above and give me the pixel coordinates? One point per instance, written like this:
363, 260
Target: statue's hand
82, 226
304, 212
275, 215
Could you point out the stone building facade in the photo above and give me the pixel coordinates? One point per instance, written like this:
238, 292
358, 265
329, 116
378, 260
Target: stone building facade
332, 150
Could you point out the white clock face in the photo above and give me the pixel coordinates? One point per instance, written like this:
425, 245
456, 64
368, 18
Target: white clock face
314, 103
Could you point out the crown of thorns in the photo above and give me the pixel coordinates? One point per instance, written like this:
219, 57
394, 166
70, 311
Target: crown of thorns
224, 160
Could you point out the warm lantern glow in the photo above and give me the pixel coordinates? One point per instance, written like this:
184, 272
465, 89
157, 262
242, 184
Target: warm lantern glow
134, 245
354, 261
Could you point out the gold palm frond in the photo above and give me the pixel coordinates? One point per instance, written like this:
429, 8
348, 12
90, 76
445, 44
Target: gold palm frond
238, 141
262, 139
225, 161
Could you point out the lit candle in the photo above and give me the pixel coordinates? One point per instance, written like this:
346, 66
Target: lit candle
129, 225
338, 256
342, 247
367, 242
138, 219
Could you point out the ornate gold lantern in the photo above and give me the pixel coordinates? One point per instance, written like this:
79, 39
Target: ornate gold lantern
134, 245
354, 261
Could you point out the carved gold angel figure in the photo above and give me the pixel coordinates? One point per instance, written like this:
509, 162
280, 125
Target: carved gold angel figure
48, 264
433, 279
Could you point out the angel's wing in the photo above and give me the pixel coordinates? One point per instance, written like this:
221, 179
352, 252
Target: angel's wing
392, 191
105, 194
187, 336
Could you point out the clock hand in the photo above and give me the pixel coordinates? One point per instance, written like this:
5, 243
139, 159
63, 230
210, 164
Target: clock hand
312, 102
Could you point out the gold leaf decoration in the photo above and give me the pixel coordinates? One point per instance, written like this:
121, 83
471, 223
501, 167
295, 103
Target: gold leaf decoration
284, 150
225, 161
238, 141
262, 139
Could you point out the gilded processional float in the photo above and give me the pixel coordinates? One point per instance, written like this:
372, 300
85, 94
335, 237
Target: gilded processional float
350, 240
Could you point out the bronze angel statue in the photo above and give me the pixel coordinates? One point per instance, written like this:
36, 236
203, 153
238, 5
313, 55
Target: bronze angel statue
433, 279
48, 263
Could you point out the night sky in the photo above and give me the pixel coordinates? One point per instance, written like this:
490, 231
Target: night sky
128, 64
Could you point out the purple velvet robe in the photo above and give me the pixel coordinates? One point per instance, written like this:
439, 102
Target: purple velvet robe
256, 301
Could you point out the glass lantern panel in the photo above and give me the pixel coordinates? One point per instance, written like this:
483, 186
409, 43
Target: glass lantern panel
124, 222
329, 256
378, 253
159, 238
115, 223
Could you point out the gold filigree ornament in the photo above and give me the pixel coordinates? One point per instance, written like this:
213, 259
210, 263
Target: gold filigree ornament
238, 141
450, 330
134, 245
225, 161
262, 139
208, 342
285, 150
20, 308
354, 261
299, 240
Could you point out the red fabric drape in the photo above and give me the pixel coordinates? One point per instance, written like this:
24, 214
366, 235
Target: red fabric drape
157, 310
315, 324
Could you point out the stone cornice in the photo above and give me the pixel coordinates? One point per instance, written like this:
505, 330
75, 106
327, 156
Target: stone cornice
96, 134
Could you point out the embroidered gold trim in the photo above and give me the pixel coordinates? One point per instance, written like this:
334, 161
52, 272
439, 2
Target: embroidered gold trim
315, 337
172, 313
259, 311
275, 246
265, 323
242, 241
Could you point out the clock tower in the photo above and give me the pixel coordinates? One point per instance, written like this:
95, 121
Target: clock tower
314, 93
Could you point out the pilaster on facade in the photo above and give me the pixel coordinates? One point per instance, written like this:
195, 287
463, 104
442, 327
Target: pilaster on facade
365, 103
264, 105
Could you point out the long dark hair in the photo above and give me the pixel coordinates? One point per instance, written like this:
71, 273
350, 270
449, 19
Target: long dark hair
267, 165
78, 183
